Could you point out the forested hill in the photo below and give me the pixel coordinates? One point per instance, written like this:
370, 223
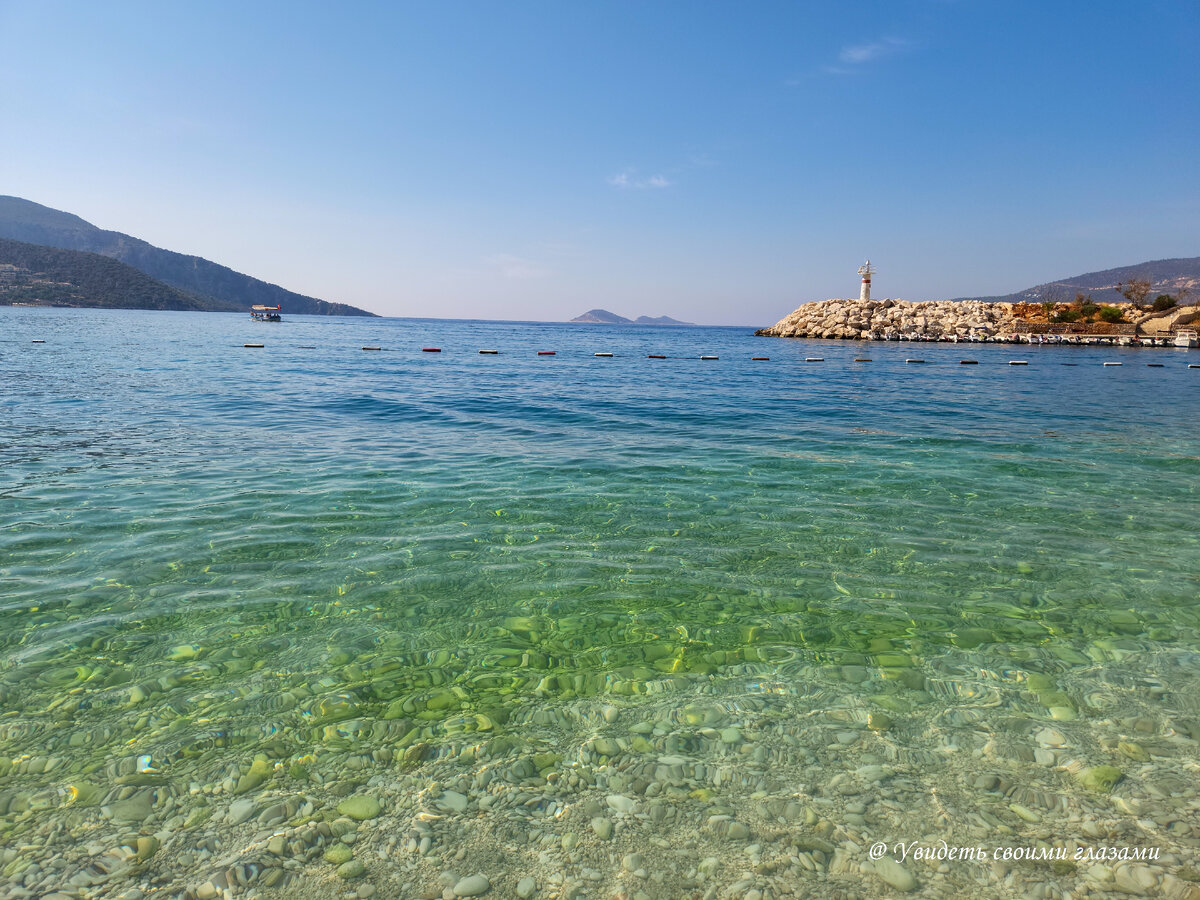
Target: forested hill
215, 286
48, 276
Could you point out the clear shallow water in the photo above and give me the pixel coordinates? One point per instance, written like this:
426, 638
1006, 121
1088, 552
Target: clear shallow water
327, 557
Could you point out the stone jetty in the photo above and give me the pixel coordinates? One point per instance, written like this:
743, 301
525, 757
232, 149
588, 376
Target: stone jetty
896, 319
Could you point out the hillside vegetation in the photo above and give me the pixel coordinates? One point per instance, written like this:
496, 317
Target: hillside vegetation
214, 287
48, 276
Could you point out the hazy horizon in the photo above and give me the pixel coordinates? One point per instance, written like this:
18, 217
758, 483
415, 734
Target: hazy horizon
715, 164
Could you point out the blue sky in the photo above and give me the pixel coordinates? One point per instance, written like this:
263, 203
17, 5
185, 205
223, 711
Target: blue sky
716, 162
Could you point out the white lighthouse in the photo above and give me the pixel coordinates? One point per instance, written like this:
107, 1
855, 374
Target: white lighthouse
866, 270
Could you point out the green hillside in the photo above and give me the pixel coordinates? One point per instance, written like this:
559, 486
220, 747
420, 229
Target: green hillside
214, 286
48, 276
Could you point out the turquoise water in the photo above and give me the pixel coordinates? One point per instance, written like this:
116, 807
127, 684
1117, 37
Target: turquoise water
384, 570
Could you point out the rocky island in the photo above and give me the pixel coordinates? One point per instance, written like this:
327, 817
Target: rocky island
604, 317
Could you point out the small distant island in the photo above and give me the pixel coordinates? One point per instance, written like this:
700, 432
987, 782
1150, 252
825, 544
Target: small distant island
604, 317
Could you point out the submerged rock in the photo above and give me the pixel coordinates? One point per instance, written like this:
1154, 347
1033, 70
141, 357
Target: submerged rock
472, 886
1100, 778
359, 807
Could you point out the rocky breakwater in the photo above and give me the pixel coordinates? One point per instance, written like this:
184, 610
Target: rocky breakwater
876, 320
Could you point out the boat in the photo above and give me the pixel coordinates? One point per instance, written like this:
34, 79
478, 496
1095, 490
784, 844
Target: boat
1185, 339
260, 313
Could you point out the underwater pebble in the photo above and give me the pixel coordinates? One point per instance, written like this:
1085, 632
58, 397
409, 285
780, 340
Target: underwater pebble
620, 803
359, 807
453, 801
351, 870
472, 886
240, 811
1099, 778
338, 854
895, 875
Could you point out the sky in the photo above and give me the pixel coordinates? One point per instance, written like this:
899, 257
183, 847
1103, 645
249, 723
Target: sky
720, 163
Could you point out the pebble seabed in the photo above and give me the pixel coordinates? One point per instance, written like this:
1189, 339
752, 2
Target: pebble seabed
718, 780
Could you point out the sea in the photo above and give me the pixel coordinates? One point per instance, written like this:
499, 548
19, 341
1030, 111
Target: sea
310, 619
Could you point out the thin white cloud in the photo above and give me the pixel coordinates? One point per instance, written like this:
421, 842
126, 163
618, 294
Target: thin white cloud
629, 179
854, 55
511, 266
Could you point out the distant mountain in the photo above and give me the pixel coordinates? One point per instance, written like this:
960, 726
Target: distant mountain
46, 276
604, 317
214, 287
1166, 276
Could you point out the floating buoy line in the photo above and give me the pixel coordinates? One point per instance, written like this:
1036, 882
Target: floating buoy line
607, 354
